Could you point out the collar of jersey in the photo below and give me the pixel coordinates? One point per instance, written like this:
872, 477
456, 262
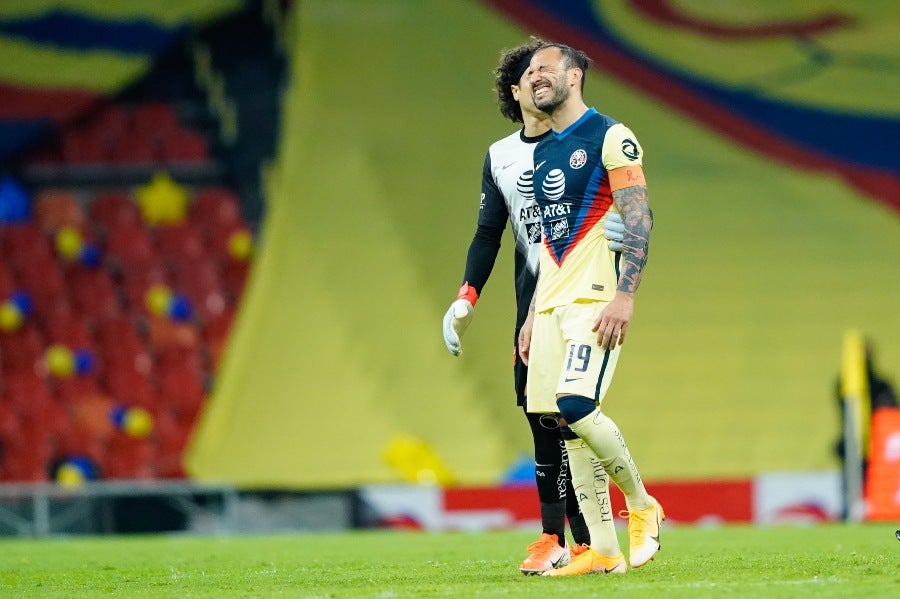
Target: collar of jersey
587, 114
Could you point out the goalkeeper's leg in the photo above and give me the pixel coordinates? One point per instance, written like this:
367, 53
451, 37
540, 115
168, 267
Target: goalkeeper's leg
549, 477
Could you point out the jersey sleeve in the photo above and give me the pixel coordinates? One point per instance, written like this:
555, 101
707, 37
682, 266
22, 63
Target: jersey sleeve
493, 215
621, 148
623, 158
492, 211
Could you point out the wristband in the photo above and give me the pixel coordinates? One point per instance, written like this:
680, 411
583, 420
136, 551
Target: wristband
467, 292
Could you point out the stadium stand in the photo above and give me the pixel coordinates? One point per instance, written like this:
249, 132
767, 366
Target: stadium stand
125, 300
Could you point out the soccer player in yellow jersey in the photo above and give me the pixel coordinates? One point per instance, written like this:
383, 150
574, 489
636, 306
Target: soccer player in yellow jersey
507, 200
589, 165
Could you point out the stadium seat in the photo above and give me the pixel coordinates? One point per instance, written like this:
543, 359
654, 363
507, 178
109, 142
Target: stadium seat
49, 417
77, 442
85, 146
177, 241
172, 436
219, 238
169, 337
58, 208
111, 122
26, 457
70, 330
93, 291
152, 119
130, 387
214, 207
200, 281
42, 279
215, 332
128, 244
69, 390
118, 336
131, 150
142, 141
7, 281
24, 393
184, 147
236, 273
129, 458
10, 420
137, 277
109, 210
24, 244
181, 387
21, 350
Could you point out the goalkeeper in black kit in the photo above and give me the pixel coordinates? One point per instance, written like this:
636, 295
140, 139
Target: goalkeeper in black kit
507, 195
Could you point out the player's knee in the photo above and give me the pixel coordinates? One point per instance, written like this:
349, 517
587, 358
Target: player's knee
574, 407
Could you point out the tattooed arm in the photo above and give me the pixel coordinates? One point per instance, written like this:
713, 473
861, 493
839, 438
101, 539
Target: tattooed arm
634, 207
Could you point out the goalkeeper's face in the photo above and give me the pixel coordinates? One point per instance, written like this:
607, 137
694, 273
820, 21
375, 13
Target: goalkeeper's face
524, 96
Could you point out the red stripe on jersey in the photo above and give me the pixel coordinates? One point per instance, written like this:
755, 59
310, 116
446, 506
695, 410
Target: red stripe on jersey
597, 208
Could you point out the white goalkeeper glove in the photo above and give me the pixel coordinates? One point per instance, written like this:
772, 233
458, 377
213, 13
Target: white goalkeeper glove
614, 230
458, 317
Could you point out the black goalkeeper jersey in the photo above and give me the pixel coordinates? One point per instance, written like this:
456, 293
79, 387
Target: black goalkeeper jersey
507, 195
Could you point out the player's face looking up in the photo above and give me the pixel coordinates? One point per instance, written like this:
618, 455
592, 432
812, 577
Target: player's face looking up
549, 76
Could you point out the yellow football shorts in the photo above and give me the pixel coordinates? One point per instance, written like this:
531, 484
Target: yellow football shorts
565, 358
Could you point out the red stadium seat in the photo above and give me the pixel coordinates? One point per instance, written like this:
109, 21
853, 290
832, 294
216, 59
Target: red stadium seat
55, 209
7, 281
127, 244
112, 120
130, 387
138, 277
214, 207
21, 350
200, 281
179, 241
69, 390
153, 119
172, 436
24, 244
26, 456
215, 332
42, 279
129, 458
135, 150
181, 146
70, 330
181, 387
85, 146
110, 210
236, 273
93, 291
118, 337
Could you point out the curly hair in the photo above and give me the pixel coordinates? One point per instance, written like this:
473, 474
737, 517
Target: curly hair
513, 63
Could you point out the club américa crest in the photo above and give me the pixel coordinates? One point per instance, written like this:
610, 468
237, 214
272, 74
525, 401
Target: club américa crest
578, 159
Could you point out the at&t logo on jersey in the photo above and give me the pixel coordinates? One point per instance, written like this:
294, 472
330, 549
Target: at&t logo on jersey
554, 185
525, 185
578, 159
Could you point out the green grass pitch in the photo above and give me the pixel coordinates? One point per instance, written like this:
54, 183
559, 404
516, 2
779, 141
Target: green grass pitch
735, 561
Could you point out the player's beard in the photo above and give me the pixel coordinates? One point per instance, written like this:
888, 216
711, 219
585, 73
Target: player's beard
550, 103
